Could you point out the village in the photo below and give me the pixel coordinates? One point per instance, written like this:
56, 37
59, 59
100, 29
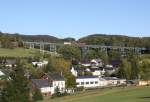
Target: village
92, 75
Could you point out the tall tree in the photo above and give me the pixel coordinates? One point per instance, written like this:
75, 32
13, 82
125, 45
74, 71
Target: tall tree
16, 89
70, 52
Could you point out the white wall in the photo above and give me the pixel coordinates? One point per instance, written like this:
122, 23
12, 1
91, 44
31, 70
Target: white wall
88, 82
59, 84
45, 90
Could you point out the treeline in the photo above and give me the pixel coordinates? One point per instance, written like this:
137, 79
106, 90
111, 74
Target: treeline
116, 40
10, 41
33, 38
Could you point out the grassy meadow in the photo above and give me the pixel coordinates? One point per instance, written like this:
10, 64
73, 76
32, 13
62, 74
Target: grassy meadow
17, 52
132, 94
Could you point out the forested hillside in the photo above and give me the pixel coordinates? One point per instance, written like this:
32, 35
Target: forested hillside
98, 39
116, 40
38, 38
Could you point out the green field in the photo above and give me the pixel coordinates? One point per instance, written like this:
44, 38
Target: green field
17, 52
134, 94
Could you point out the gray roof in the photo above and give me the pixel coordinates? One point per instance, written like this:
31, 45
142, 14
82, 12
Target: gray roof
55, 77
40, 83
10, 61
111, 78
85, 77
5, 71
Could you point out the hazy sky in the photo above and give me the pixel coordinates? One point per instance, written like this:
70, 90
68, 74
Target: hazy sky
75, 18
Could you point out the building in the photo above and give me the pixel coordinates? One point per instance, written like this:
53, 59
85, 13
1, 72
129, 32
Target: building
97, 71
10, 63
102, 82
96, 63
144, 83
87, 81
44, 86
40, 63
110, 69
57, 81
114, 81
4, 74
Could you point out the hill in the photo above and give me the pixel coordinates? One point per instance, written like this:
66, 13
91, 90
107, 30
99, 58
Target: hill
134, 94
116, 40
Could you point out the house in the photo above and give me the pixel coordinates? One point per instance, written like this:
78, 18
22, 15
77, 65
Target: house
10, 62
97, 71
110, 69
74, 71
77, 71
96, 63
144, 83
40, 63
56, 80
114, 81
87, 81
43, 85
102, 82
4, 74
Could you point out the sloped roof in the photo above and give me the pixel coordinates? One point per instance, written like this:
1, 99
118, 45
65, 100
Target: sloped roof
85, 77
55, 76
40, 83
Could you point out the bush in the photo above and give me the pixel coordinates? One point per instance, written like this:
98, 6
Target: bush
37, 96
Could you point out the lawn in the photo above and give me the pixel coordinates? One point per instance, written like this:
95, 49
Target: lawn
17, 52
134, 94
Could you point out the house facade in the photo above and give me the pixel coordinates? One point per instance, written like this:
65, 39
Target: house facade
56, 80
87, 81
44, 86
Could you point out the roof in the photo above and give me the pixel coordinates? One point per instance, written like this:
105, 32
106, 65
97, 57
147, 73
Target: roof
85, 77
55, 77
10, 61
5, 71
96, 69
40, 83
110, 78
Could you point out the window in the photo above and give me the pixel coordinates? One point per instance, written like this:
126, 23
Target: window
91, 82
82, 83
78, 83
87, 82
96, 82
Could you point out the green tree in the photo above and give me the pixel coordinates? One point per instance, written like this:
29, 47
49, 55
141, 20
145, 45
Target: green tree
16, 89
125, 69
91, 54
70, 80
70, 52
37, 96
145, 70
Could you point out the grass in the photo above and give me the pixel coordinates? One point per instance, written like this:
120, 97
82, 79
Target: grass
134, 94
17, 52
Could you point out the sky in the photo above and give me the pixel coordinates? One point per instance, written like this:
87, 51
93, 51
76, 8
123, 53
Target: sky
75, 18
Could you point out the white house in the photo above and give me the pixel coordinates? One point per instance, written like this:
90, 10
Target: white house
1, 73
102, 82
56, 80
114, 81
43, 85
87, 81
74, 72
97, 71
96, 63
4, 74
40, 64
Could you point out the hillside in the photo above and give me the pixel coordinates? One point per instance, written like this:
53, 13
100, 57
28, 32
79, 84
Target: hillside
17, 52
134, 94
116, 40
